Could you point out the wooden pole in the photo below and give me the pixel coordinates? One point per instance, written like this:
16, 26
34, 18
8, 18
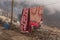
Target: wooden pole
12, 11
7, 12
2, 13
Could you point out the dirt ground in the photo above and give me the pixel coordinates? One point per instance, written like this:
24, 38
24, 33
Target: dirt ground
45, 33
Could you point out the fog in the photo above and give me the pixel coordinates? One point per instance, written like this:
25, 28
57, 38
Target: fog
51, 14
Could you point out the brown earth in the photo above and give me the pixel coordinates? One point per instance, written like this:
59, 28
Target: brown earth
45, 33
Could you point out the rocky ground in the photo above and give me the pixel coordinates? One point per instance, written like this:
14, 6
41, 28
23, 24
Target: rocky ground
45, 33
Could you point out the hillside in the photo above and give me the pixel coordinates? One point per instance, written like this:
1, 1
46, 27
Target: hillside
45, 33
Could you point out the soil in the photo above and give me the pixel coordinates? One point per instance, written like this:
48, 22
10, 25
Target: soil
44, 33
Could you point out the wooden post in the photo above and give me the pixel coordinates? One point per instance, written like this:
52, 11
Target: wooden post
7, 12
2, 13
12, 11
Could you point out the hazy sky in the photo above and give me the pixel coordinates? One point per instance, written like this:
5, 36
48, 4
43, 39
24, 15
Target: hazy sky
51, 4
45, 2
52, 17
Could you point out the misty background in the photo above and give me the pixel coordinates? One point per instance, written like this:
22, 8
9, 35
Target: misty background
51, 14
